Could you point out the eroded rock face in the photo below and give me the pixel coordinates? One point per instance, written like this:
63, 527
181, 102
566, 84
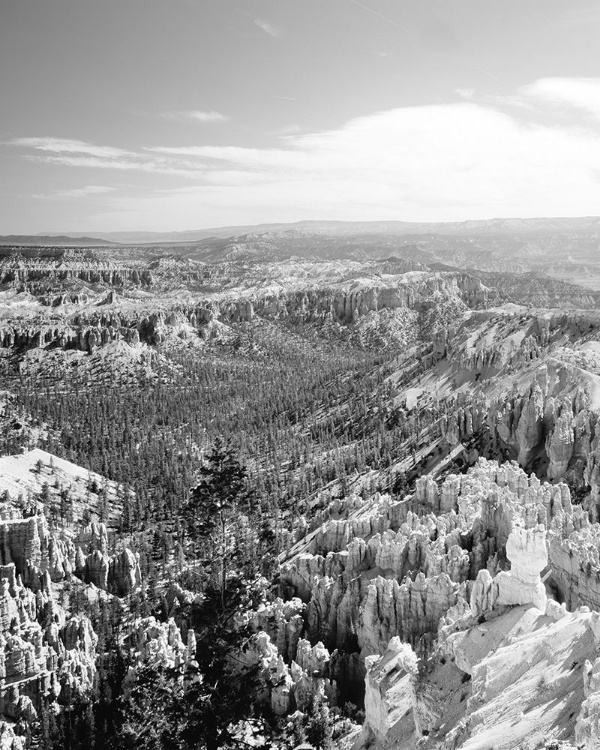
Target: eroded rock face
496, 665
9, 740
124, 575
26, 272
35, 553
560, 445
587, 728
409, 610
553, 419
87, 329
160, 644
284, 624
530, 428
21, 541
399, 573
286, 687
41, 652
374, 573
389, 689
96, 569
526, 550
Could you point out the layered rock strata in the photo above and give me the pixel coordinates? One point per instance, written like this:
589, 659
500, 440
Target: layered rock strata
87, 330
36, 552
376, 571
44, 653
511, 667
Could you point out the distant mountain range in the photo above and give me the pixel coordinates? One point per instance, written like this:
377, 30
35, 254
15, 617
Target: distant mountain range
52, 239
533, 226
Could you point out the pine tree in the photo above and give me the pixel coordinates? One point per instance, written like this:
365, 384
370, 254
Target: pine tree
214, 514
319, 725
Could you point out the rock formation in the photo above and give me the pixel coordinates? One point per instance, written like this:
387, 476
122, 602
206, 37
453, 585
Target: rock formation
42, 651
526, 551
376, 574
346, 303
34, 550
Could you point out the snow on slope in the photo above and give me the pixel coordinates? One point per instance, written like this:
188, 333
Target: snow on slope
19, 476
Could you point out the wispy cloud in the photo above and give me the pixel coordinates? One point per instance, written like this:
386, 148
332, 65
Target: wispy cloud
267, 27
73, 153
488, 74
140, 162
447, 160
376, 13
250, 158
68, 146
565, 93
468, 158
195, 115
81, 192
465, 93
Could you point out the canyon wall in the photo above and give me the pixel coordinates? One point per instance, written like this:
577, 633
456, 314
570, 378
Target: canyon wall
90, 328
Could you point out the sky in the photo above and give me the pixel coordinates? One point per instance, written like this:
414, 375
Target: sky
165, 115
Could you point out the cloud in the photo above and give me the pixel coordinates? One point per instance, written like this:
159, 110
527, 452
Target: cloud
436, 162
448, 161
246, 158
73, 153
188, 170
195, 115
68, 146
566, 93
376, 13
465, 93
82, 192
267, 28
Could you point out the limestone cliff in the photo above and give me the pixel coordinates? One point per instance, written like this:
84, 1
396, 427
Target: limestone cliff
42, 650
512, 667
72, 327
377, 571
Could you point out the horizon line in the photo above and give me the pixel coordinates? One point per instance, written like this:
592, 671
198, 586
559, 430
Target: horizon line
92, 234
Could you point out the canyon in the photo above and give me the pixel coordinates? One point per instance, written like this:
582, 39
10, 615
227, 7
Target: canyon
437, 575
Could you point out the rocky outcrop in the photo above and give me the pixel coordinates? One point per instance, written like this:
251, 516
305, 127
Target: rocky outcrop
32, 274
530, 427
587, 728
463, 418
9, 740
283, 622
574, 558
124, 575
560, 446
374, 573
526, 551
88, 329
501, 667
160, 644
552, 420
389, 691
291, 671
37, 553
21, 541
119, 573
286, 688
42, 653
410, 610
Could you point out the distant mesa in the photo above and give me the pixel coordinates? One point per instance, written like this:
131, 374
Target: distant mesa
42, 240
497, 226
